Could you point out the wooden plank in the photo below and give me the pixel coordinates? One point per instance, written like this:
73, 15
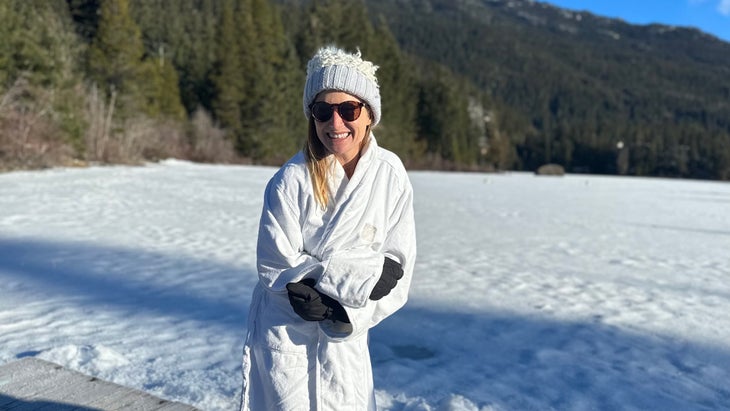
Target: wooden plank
34, 406
117, 398
19, 372
81, 389
26, 379
31, 388
31, 384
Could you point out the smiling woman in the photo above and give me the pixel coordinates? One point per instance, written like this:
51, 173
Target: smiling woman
340, 128
336, 250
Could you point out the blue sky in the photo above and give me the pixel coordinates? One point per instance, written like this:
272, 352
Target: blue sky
711, 16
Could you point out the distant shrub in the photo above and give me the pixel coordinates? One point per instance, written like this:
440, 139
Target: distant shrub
208, 143
550, 170
29, 129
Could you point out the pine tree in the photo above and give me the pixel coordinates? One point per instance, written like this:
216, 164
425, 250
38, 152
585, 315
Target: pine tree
354, 28
270, 117
37, 43
115, 56
162, 92
8, 17
228, 78
443, 119
254, 80
254, 55
117, 63
185, 32
39, 58
196, 55
398, 95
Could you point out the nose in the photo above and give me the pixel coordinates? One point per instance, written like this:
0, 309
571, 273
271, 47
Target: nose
336, 119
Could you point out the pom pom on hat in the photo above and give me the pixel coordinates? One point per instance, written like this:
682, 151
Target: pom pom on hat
332, 68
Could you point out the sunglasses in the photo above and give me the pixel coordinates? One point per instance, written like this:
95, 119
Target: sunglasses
348, 110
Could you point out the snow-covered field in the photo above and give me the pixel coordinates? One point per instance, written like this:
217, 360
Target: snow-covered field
530, 293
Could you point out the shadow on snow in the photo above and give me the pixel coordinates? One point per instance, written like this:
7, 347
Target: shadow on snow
131, 280
512, 362
8, 402
508, 361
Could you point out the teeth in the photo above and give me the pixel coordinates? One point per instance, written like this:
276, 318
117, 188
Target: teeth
339, 135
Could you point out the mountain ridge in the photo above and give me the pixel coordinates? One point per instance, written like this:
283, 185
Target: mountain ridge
583, 80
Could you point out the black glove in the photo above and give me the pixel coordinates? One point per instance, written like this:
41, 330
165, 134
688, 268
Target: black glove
392, 272
312, 305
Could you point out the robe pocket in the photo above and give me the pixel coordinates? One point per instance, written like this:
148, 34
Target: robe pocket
286, 358
294, 338
288, 378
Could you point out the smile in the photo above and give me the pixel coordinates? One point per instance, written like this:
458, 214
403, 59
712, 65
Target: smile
338, 135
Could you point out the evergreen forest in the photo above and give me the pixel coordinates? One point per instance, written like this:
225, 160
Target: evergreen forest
482, 85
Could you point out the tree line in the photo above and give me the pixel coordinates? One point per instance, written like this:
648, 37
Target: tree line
592, 94
221, 81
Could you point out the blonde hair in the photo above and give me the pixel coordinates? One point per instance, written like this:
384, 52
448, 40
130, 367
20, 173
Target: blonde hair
319, 168
319, 161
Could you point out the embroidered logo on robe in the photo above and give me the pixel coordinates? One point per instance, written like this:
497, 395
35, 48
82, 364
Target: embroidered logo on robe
367, 233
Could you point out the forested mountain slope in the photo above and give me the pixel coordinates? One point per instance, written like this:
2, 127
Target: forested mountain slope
580, 83
466, 84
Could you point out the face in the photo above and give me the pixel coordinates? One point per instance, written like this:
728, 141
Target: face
342, 138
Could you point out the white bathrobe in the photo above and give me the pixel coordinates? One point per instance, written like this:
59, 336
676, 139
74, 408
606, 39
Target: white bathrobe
292, 364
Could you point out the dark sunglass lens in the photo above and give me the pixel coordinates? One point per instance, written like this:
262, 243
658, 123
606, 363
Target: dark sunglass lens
350, 110
322, 111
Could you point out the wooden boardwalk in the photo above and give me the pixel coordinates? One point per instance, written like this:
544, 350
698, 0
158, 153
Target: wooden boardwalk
31, 384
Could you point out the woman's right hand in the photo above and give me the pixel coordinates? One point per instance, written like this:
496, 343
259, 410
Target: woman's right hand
312, 305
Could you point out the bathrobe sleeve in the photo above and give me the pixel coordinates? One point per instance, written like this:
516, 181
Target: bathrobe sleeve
280, 254
399, 244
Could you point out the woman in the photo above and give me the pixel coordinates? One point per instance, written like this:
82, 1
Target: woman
336, 250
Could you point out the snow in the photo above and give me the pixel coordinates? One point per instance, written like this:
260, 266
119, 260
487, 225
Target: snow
530, 293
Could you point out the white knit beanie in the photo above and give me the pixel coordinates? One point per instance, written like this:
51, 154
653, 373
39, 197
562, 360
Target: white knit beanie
332, 68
